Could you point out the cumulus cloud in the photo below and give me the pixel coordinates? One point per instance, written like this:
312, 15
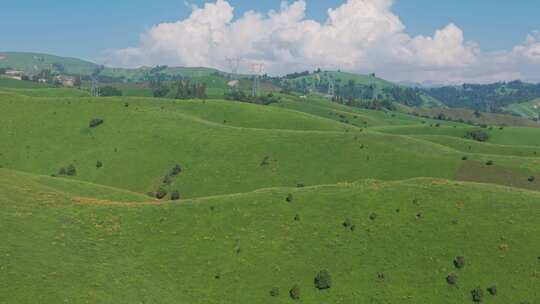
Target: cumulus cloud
360, 35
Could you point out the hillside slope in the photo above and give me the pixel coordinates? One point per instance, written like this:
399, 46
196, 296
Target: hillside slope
237, 248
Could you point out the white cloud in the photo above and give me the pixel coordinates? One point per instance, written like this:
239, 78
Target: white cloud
360, 35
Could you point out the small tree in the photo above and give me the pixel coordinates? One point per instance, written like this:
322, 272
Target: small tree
109, 91
99, 164
161, 193
175, 195
323, 280
477, 294
294, 293
459, 262
274, 292
289, 198
451, 279
71, 170
95, 122
492, 290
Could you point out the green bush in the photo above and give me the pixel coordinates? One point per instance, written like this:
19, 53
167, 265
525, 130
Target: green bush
531, 179
489, 163
99, 164
323, 280
175, 195
274, 292
289, 198
161, 193
459, 262
492, 290
71, 170
109, 91
477, 135
451, 279
477, 294
294, 293
96, 122
62, 171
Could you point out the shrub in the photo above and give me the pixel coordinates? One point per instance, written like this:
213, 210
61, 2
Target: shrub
62, 171
477, 135
71, 170
294, 293
176, 170
265, 162
492, 290
373, 216
451, 279
323, 280
161, 193
489, 163
289, 198
274, 292
175, 195
459, 262
167, 180
531, 179
477, 294
96, 122
297, 217
465, 158
347, 223
99, 164
109, 91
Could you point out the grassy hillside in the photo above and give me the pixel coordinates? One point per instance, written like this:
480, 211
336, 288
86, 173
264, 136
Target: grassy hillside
233, 147
528, 110
269, 196
237, 248
33, 63
471, 116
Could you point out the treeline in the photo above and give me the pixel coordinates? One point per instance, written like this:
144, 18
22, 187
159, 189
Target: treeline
351, 90
486, 97
237, 95
184, 89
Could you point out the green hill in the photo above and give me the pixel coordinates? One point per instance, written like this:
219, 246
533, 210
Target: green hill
528, 110
237, 248
364, 87
33, 63
269, 196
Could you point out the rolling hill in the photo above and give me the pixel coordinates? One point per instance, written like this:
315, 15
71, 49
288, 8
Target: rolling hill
239, 248
270, 196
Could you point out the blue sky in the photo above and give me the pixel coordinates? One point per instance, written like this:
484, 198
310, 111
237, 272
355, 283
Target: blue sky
84, 28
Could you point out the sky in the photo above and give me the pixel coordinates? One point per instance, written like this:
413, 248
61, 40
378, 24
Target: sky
406, 40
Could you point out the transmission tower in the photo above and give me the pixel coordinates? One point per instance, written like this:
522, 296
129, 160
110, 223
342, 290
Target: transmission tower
234, 65
331, 87
95, 88
258, 69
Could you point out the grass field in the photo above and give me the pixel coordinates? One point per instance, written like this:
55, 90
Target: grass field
265, 192
236, 248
